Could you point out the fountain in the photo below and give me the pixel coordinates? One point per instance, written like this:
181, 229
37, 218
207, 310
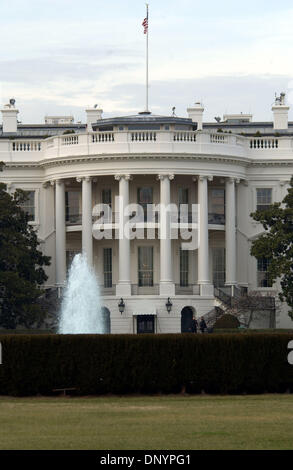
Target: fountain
80, 309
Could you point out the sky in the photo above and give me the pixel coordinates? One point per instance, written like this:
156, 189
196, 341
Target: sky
60, 56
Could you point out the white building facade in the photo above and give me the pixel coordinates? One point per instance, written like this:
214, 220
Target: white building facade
227, 169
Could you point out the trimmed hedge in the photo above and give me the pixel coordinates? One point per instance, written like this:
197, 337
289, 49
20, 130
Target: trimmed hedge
122, 364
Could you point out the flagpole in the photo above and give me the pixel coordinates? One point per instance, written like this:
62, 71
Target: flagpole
147, 60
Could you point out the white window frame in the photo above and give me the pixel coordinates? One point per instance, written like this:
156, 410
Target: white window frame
184, 271
105, 272
210, 209
253, 285
75, 190
223, 249
256, 196
257, 278
262, 185
153, 262
36, 220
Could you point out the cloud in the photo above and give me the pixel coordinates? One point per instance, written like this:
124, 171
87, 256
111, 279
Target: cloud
54, 69
220, 95
232, 58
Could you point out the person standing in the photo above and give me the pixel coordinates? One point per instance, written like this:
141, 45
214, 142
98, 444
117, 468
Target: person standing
194, 325
202, 325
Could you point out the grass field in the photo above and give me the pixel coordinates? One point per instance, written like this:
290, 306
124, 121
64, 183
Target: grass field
146, 423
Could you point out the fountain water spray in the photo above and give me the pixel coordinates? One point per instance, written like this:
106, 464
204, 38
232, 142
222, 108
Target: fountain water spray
81, 309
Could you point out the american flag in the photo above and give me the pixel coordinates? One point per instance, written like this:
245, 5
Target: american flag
145, 24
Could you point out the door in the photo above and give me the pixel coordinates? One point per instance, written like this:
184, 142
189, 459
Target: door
145, 324
186, 320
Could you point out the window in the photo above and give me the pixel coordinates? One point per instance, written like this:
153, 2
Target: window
107, 267
28, 206
262, 272
144, 197
184, 268
219, 267
72, 207
183, 196
263, 198
183, 199
107, 200
145, 266
107, 197
217, 206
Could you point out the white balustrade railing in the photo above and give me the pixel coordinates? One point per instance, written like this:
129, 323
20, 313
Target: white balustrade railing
26, 146
218, 139
264, 143
143, 136
103, 137
69, 140
186, 136
167, 140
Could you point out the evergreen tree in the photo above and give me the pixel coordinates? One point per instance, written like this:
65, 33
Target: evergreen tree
276, 244
21, 264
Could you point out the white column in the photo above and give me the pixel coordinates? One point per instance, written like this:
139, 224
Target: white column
230, 234
124, 283
167, 286
60, 233
87, 235
206, 288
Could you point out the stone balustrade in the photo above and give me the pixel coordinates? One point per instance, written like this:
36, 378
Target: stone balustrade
127, 142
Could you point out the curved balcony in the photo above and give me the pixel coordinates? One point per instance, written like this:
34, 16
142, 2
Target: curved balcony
147, 142
125, 142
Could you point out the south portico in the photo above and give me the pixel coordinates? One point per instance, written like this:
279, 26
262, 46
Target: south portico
204, 284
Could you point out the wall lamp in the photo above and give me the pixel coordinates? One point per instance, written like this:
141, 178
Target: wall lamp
121, 306
169, 305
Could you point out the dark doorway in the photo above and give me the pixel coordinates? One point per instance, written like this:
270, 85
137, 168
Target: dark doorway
107, 320
145, 324
186, 319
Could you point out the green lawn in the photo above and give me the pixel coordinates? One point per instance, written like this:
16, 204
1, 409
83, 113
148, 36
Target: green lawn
156, 422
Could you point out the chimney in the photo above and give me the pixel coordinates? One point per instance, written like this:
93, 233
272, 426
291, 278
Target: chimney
196, 114
93, 115
280, 110
9, 117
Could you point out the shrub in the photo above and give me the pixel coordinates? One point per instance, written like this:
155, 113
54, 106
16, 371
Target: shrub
123, 364
227, 321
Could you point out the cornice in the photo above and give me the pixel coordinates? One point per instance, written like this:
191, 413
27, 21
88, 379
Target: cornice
143, 156
223, 159
22, 165
272, 162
